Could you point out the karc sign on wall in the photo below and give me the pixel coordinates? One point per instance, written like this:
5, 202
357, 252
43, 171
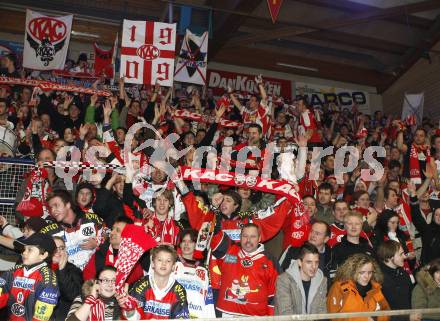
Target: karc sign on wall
319, 95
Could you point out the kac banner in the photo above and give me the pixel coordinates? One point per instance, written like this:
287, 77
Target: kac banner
46, 40
147, 52
219, 80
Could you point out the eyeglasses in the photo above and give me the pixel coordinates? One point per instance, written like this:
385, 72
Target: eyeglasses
61, 248
107, 281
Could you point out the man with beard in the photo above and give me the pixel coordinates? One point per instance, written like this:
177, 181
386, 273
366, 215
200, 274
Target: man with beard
248, 275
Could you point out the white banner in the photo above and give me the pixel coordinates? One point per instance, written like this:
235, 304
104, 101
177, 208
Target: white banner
413, 107
318, 95
193, 59
147, 52
46, 40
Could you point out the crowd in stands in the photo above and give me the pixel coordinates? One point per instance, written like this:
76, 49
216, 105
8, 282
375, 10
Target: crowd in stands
350, 245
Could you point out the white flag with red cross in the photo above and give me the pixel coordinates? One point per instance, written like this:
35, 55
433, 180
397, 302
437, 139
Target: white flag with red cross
147, 52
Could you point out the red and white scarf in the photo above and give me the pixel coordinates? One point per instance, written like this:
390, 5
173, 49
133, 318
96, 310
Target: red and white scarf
97, 311
165, 231
414, 164
185, 114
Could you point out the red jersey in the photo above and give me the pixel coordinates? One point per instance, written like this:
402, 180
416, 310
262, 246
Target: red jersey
152, 303
259, 116
202, 219
296, 227
248, 279
30, 293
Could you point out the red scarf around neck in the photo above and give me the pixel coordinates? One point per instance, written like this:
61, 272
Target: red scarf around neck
414, 165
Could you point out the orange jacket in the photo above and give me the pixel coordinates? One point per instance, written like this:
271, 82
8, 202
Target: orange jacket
344, 297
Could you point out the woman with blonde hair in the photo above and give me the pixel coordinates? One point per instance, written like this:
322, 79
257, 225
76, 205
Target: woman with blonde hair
357, 288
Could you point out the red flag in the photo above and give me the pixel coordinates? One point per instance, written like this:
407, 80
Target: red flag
274, 8
134, 242
103, 62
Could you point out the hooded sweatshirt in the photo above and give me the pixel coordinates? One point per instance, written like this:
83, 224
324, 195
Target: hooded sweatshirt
290, 297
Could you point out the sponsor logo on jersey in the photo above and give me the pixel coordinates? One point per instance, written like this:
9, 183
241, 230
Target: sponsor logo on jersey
247, 263
17, 309
72, 250
231, 258
23, 283
233, 234
157, 308
87, 231
20, 297
190, 285
194, 307
49, 296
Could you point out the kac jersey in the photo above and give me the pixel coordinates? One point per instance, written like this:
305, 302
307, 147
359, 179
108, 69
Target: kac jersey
248, 279
168, 303
195, 280
30, 293
86, 226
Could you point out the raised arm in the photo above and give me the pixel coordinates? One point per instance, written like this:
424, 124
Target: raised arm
235, 101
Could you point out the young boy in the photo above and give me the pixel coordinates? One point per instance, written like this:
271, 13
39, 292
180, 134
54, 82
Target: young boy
30, 290
158, 295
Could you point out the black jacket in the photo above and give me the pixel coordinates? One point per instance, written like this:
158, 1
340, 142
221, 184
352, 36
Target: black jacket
430, 233
345, 249
396, 287
70, 281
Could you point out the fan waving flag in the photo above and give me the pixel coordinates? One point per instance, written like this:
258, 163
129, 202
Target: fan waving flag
147, 52
134, 242
193, 59
46, 40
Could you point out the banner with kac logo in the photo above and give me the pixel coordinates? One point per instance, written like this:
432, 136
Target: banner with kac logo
46, 40
318, 96
219, 80
148, 52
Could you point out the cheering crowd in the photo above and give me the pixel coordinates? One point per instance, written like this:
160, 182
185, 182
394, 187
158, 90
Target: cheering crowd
349, 243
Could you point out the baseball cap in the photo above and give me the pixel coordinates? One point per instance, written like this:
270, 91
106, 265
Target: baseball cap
44, 241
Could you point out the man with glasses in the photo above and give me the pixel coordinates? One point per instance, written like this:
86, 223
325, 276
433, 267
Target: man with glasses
69, 279
318, 236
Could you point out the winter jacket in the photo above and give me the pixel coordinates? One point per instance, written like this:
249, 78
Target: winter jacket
324, 213
430, 233
290, 296
69, 282
426, 294
345, 249
396, 287
344, 297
